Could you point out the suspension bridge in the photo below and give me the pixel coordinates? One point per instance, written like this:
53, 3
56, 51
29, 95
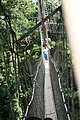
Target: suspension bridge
52, 103
52, 79
48, 99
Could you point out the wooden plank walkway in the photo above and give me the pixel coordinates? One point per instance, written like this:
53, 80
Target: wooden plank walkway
50, 110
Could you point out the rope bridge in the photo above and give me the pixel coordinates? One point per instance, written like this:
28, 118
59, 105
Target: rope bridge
26, 84
36, 106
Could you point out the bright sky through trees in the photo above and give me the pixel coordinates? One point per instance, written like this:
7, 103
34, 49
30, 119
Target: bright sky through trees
34, 1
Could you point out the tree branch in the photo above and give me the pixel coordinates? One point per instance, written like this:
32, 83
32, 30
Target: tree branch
36, 26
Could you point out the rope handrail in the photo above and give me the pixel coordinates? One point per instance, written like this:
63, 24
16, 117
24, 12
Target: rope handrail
27, 108
60, 86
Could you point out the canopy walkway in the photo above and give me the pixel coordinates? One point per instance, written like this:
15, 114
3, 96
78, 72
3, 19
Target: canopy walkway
48, 98
47, 90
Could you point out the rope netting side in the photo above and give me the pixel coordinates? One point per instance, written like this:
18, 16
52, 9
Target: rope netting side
60, 87
34, 82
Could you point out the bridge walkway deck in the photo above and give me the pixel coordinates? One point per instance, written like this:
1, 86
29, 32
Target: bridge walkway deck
50, 110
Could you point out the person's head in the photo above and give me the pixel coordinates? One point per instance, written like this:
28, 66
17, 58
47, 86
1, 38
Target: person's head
33, 118
48, 118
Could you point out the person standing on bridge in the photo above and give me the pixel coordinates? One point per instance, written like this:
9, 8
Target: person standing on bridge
45, 52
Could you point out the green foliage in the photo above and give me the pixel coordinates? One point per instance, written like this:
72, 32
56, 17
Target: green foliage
62, 56
36, 51
21, 13
17, 109
15, 64
4, 101
51, 43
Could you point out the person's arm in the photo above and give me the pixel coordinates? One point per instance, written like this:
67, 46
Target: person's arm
71, 13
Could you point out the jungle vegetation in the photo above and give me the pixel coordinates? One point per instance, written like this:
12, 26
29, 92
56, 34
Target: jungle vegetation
18, 58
